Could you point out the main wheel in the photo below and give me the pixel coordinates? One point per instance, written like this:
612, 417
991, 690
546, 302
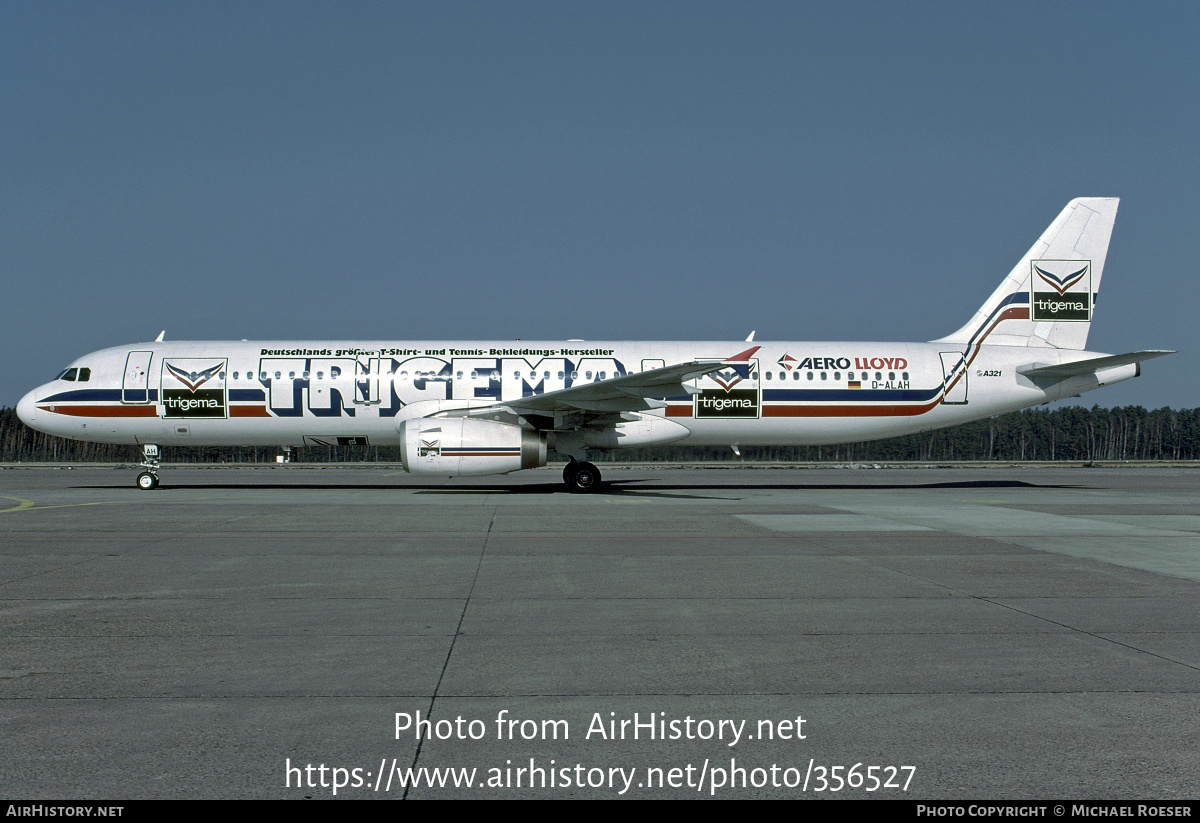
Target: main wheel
146, 481
584, 477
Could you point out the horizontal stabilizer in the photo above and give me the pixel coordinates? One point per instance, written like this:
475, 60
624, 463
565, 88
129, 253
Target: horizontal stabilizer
1079, 367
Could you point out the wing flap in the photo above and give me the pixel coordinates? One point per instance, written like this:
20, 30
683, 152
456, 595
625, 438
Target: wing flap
630, 392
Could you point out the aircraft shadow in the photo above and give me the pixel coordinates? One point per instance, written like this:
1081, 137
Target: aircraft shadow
966, 484
618, 487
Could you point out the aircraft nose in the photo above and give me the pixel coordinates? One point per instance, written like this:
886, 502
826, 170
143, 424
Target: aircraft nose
26, 410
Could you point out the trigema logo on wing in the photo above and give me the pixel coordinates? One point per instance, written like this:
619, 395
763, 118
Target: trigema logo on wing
194, 388
1061, 290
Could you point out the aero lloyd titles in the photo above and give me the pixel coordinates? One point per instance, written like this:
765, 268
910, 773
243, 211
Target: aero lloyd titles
819, 363
882, 372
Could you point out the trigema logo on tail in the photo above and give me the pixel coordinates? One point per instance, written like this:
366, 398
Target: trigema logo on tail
1061, 290
194, 388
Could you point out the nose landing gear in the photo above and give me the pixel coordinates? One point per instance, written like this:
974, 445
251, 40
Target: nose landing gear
148, 479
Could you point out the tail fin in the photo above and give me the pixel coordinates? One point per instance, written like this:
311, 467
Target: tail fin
1047, 300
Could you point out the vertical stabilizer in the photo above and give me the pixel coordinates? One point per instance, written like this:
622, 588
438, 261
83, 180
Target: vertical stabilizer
1049, 298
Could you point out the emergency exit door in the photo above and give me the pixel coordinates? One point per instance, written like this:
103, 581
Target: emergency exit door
135, 388
954, 373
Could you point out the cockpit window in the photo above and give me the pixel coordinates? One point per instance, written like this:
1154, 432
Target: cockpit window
85, 375
69, 375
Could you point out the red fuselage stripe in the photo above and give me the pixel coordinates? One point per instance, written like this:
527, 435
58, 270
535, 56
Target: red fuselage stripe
248, 411
102, 411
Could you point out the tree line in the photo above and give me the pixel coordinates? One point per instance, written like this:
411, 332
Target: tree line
1071, 433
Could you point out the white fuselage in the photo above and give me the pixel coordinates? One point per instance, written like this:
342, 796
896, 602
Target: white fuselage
296, 393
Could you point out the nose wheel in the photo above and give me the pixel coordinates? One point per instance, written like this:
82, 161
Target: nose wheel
148, 479
581, 477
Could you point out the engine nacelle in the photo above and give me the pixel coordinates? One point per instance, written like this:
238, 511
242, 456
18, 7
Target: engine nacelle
460, 446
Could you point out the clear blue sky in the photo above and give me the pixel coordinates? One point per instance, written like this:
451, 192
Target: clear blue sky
646, 170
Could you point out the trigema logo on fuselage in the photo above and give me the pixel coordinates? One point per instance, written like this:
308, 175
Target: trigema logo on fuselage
732, 392
193, 388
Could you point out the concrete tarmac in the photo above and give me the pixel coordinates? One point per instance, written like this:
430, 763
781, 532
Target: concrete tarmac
1001, 633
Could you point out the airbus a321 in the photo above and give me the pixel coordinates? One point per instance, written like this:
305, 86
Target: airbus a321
480, 408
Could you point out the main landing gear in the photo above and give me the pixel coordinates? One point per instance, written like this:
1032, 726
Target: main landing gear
581, 477
148, 479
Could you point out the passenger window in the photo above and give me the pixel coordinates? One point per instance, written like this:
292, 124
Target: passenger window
602, 374
220, 375
824, 375
588, 375
769, 375
278, 376
262, 375
810, 375
878, 376
905, 375
891, 375
795, 375
335, 372
561, 375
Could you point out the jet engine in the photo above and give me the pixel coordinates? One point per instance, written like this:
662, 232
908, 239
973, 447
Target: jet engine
461, 446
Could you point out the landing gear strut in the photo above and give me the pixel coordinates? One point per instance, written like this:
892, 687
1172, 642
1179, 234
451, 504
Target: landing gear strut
581, 477
148, 479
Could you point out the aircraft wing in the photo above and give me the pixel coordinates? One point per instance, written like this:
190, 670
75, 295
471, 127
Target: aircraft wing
630, 392
1080, 367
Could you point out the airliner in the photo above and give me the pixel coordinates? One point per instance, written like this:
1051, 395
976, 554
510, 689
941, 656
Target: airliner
481, 408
